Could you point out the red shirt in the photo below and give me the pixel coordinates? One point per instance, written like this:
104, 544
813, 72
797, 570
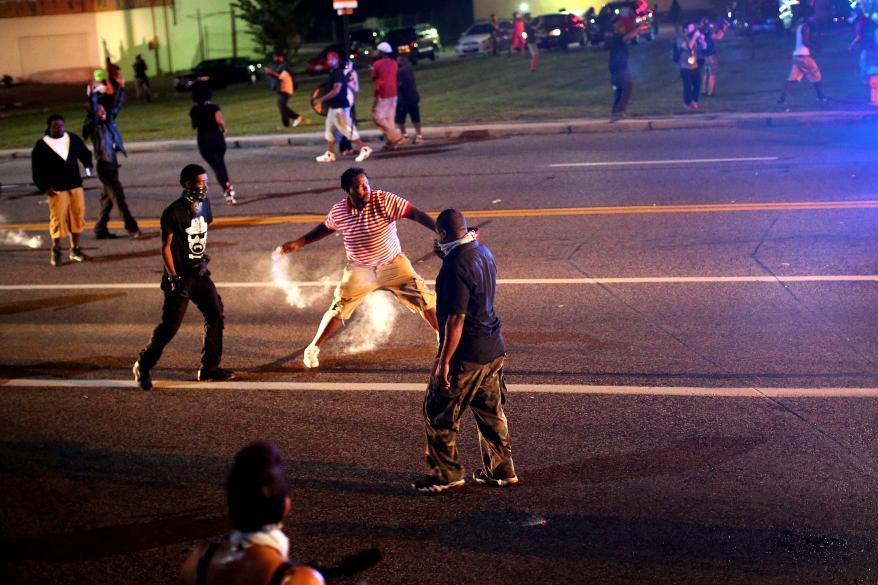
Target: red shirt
384, 74
370, 237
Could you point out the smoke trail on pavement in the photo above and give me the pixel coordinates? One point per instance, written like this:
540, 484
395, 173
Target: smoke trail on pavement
18, 237
373, 320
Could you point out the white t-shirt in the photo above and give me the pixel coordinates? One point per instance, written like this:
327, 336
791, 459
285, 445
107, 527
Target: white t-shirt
61, 146
801, 49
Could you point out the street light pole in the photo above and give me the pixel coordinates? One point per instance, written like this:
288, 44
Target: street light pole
234, 31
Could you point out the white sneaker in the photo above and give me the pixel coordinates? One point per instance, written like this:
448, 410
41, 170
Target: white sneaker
310, 357
327, 157
298, 121
365, 152
230, 195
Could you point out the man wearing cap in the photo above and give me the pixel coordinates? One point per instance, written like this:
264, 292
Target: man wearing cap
384, 108
338, 115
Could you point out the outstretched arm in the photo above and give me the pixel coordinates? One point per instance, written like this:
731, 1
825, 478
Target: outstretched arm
420, 217
316, 234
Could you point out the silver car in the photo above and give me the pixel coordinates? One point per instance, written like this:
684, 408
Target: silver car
477, 38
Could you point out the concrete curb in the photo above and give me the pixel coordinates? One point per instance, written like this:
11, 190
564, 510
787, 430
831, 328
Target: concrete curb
504, 129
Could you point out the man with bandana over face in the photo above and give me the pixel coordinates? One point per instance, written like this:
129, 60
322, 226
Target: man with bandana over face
186, 277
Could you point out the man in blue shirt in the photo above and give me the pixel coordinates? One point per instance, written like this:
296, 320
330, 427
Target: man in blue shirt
468, 371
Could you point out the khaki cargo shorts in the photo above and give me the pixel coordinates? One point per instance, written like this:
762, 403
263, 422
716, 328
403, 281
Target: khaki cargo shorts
340, 119
805, 66
66, 213
398, 277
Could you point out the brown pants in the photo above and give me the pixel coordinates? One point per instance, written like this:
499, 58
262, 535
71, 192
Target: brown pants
480, 388
66, 213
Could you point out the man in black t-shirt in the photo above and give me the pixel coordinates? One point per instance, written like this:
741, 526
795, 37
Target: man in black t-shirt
620, 77
184, 242
468, 370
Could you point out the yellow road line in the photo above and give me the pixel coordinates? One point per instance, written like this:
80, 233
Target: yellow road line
247, 221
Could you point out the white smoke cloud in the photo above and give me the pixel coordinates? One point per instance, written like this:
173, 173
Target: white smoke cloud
287, 277
372, 323
18, 237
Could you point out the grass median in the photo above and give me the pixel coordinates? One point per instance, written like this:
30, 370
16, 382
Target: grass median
567, 84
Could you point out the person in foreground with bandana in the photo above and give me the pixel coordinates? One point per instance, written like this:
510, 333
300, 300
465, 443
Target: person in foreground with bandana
367, 220
186, 277
257, 550
468, 371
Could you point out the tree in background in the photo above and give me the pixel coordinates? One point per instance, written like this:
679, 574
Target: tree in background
278, 24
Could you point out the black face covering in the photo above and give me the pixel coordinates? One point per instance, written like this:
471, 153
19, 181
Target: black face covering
195, 194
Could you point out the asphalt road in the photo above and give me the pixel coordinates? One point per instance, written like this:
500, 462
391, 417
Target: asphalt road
692, 330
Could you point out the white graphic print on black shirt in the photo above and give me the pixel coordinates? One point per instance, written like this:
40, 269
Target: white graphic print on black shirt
197, 235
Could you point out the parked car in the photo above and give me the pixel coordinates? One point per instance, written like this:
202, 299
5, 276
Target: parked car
476, 40
366, 38
428, 31
219, 73
358, 54
406, 41
559, 30
602, 27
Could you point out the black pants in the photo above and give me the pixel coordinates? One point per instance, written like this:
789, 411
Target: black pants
113, 194
286, 113
479, 387
691, 85
202, 292
622, 86
212, 147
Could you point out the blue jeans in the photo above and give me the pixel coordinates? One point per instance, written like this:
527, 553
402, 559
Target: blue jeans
691, 85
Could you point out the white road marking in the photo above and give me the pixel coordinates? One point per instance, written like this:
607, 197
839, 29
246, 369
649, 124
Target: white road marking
500, 281
682, 391
685, 161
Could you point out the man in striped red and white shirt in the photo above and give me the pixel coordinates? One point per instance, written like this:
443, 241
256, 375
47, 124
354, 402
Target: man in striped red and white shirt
367, 220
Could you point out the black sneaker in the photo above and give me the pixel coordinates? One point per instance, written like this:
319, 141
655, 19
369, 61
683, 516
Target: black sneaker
482, 478
105, 236
141, 376
77, 255
432, 485
214, 374
55, 259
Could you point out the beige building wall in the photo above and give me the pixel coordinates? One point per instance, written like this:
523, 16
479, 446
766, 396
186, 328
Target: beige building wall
68, 47
48, 45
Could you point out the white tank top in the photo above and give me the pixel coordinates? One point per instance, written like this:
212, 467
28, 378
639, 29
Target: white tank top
801, 49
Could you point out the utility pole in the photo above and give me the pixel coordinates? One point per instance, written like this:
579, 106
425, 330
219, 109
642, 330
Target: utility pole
234, 31
200, 34
155, 38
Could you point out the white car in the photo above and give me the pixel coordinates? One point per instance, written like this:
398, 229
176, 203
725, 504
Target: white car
477, 38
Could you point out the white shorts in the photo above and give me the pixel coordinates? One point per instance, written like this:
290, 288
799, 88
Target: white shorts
340, 119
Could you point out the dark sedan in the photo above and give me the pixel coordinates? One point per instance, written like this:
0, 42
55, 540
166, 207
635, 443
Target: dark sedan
560, 30
219, 73
643, 21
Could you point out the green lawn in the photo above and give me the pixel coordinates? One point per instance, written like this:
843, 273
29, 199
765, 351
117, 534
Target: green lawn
567, 84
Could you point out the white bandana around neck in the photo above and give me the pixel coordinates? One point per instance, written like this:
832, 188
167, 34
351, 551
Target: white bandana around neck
61, 146
449, 246
269, 535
